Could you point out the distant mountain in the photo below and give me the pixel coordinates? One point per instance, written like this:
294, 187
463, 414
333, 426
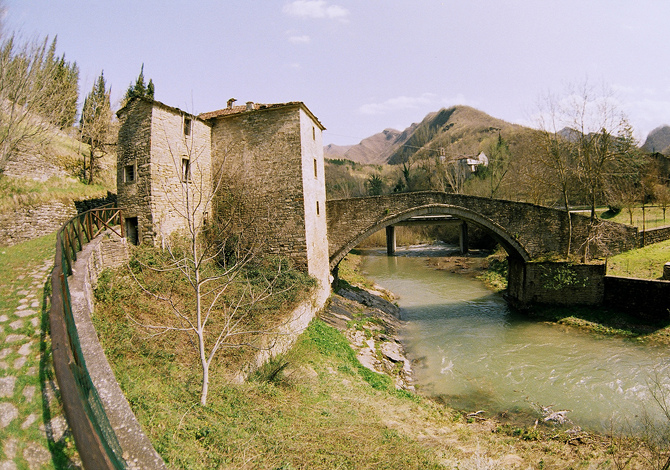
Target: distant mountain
458, 130
375, 149
658, 140
335, 151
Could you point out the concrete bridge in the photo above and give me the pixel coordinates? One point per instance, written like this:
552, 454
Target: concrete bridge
527, 232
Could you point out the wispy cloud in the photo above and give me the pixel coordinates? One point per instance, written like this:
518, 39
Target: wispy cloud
304, 39
315, 9
429, 101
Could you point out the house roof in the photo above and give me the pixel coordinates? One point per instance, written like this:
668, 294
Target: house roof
172, 109
234, 110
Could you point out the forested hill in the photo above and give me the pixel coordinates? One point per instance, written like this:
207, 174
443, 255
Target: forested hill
458, 130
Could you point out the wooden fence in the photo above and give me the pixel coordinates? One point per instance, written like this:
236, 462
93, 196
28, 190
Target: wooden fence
92, 432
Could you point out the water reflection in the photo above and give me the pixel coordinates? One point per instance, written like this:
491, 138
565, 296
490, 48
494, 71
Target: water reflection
474, 352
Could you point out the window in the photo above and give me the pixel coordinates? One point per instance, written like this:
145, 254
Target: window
317, 207
187, 126
129, 173
185, 169
316, 174
313, 133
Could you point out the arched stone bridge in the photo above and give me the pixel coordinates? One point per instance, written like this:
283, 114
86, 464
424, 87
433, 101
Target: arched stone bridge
526, 231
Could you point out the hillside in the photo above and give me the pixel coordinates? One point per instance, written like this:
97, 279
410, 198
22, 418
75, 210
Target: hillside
658, 140
376, 149
458, 130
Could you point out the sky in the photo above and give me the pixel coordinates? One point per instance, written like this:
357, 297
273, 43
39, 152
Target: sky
362, 66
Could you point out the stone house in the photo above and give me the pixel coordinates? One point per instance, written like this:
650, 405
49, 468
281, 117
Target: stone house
171, 162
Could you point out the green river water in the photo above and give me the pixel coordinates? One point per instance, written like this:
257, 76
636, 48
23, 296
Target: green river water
469, 348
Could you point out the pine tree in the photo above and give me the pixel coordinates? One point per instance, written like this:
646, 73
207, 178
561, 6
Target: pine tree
139, 89
95, 123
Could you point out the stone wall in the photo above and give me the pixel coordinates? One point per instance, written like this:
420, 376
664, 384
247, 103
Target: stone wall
643, 298
258, 153
33, 165
314, 194
153, 145
654, 235
27, 223
133, 150
181, 186
555, 283
107, 251
526, 230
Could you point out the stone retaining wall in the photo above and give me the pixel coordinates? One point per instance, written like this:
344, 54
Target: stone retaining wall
27, 223
555, 283
640, 297
654, 235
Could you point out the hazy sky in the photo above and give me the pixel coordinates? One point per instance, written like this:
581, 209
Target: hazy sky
365, 65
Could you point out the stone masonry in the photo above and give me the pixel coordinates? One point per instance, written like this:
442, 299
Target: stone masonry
161, 168
268, 156
27, 223
527, 231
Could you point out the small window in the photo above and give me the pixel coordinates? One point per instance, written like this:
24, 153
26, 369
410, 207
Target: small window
317, 207
316, 173
185, 169
129, 173
187, 126
313, 133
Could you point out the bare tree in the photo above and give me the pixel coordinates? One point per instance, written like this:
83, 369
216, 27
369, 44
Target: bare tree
585, 140
32, 88
662, 197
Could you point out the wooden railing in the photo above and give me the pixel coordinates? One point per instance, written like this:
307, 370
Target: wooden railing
86, 226
92, 432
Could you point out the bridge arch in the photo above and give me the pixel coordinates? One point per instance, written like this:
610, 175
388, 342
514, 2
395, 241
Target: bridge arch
509, 242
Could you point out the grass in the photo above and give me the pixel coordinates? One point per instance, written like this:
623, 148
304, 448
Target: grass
315, 407
15, 261
21, 192
643, 263
297, 412
495, 276
653, 217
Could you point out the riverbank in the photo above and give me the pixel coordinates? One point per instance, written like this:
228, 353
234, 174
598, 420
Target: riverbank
531, 441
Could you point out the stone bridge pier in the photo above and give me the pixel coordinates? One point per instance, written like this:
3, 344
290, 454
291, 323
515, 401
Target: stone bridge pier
530, 234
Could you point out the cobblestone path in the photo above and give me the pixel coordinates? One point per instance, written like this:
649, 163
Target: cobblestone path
33, 430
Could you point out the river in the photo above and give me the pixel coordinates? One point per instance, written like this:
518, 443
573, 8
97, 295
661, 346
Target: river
470, 349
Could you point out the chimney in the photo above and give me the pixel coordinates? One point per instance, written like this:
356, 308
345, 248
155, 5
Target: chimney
230, 103
250, 105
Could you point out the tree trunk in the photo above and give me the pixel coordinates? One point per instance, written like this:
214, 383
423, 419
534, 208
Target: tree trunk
90, 167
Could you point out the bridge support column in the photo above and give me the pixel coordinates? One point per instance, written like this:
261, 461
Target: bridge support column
463, 238
390, 240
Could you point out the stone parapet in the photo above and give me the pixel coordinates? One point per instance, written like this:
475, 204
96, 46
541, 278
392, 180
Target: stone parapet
107, 251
